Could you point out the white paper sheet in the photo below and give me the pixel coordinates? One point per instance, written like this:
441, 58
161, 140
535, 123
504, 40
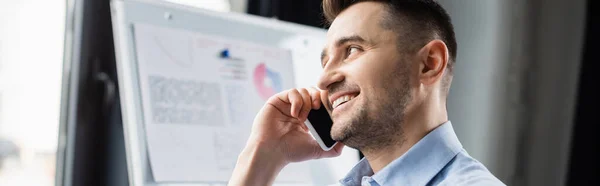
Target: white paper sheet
200, 94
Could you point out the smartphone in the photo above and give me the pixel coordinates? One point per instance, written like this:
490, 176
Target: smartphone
319, 124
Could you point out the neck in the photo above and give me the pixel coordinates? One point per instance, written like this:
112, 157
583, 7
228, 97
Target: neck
418, 122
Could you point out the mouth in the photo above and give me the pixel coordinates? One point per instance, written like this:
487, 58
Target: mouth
342, 98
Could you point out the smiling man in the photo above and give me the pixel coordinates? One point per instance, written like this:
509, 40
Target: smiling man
387, 70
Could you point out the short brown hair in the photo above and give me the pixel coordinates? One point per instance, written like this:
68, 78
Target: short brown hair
417, 21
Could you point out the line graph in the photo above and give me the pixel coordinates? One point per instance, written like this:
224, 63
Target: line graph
183, 62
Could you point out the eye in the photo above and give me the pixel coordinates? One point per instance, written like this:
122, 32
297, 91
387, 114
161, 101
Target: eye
352, 50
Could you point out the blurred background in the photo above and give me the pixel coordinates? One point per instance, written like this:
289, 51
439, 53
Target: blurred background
522, 100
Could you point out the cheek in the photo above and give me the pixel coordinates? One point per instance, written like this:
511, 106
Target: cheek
373, 76
366, 72
372, 80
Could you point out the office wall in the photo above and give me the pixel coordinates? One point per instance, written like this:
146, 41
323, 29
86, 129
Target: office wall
30, 74
477, 104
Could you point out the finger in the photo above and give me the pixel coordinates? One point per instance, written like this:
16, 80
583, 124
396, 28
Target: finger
325, 100
296, 101
281, 102
316, 97
306, 106
334, 152
304, 128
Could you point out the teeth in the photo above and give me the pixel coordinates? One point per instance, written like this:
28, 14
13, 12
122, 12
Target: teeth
341, 100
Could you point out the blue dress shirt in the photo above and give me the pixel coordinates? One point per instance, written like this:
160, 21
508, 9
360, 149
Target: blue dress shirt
437, 159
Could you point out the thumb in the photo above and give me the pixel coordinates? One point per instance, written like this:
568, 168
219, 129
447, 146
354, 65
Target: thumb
334, 152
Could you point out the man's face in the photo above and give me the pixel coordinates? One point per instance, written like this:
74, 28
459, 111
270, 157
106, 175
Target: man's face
367, 78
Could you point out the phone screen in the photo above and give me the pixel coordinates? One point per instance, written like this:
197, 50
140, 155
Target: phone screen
322, 123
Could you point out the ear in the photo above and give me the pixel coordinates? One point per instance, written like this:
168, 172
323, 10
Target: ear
433, 58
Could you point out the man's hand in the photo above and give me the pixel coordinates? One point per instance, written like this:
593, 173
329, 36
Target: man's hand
279, 137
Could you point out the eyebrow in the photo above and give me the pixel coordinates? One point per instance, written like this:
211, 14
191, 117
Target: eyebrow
341, 41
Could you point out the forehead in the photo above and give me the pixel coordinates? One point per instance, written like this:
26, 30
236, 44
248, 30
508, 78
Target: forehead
362, 19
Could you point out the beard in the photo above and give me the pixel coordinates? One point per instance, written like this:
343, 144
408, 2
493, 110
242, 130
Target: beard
378, 125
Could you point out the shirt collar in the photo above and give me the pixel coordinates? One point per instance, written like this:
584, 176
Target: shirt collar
418, 165
355, 175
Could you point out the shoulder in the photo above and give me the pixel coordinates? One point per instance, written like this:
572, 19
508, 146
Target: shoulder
465, 170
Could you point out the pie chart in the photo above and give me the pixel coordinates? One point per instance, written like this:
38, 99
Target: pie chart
266, 81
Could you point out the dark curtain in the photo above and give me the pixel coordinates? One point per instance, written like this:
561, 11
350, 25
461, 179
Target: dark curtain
306, 12
99, 151
584, 167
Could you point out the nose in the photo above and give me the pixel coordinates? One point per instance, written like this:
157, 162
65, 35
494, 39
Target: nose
330, 75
